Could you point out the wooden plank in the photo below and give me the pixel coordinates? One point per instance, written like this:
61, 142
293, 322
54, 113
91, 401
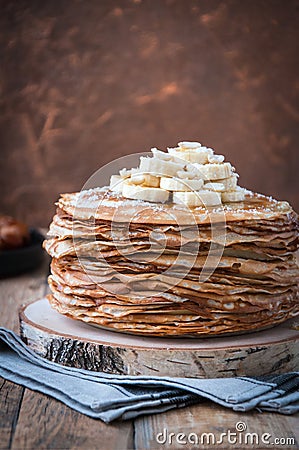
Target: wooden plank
15, 291
210, 418
10, 400
47, 423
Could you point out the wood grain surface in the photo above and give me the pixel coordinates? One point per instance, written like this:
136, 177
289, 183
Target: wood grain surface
209, 419
29, 420
84, 84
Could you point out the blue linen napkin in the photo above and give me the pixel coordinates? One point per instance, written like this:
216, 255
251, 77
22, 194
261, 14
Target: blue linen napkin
110, 397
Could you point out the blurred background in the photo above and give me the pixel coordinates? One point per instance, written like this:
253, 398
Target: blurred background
84, 82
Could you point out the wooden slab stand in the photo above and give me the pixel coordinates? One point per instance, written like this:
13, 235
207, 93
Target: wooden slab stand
74, 343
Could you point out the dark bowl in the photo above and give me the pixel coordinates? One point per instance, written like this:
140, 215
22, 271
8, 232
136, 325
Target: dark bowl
23, 259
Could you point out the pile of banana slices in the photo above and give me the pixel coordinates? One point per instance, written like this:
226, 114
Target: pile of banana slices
188, 174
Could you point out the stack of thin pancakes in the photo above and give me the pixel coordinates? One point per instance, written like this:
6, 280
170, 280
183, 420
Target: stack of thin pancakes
133, 266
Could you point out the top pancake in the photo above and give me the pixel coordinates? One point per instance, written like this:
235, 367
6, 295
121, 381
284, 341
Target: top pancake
103, 204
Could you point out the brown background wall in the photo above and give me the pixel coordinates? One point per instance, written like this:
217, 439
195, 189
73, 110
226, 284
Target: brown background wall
83, 82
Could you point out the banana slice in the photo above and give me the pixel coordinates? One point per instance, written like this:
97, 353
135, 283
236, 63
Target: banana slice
198, 155
116, 183
158, 167
137, 178
233, 196
175, 185
125, 173
151, 180
230, 183
161, 155
186, 174
214, 171
215, 159
145, 179
217, 187
189, 144
150, 194
200, 198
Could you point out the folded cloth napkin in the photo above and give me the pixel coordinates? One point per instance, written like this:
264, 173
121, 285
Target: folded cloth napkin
109, 397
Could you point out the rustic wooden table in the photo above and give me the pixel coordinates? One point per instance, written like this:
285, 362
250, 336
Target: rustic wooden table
29, 420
